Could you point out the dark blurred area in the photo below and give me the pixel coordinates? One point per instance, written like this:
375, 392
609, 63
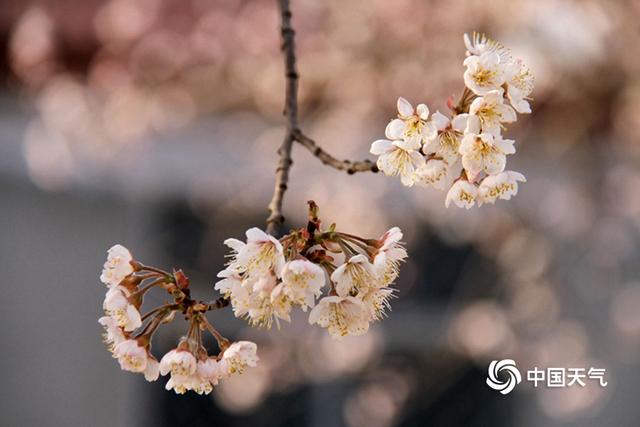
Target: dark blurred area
155, 124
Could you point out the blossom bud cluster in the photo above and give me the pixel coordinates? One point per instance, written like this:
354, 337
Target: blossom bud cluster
343, 279
466, 151
128, 333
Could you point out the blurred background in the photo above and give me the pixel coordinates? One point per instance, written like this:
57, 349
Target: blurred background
155, 123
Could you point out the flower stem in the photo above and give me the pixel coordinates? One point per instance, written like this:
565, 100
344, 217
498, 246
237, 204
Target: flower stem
139, 293
170, 307
223, 343
346, 248
360, 243
152, 326
155, 270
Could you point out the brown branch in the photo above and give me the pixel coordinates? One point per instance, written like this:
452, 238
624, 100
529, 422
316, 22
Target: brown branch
348, 166
293, 133
217, 304
276, 218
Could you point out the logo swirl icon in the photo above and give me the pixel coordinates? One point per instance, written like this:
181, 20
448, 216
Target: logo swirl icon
507, 366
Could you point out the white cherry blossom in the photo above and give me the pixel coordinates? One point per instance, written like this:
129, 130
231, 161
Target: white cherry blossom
238, 289
178, 362
479, 44
239, 355
302, 282
463, 193
180, 384
411, 125
233, 267
260, 301
439, 120
341, 316
431, 150
201, 380
152, 371
230, 282
484, 72
235, 245
264, 302
388, 258
118, 306
355, 275
519, 86
242, 299
113, 334
432, 173
211, 370
117, 267
484, 152
262, 253
491, 111
131, 356
281, 304
398, 158
201, 385
501, 186
376, 302
447, 141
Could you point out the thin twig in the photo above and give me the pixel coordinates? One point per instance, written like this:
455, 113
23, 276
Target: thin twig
348, 166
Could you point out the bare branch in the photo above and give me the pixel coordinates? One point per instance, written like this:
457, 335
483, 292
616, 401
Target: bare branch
276, 219
348, 166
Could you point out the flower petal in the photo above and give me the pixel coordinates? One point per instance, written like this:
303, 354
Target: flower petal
381, 146
404, 107
395, 129
507, 114
440, 120
256, 235
423, 111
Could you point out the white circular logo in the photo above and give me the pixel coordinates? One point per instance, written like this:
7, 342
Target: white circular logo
508, 366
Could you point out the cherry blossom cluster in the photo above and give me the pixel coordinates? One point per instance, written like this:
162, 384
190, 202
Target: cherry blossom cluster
466, 151
344, 280
128, 333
